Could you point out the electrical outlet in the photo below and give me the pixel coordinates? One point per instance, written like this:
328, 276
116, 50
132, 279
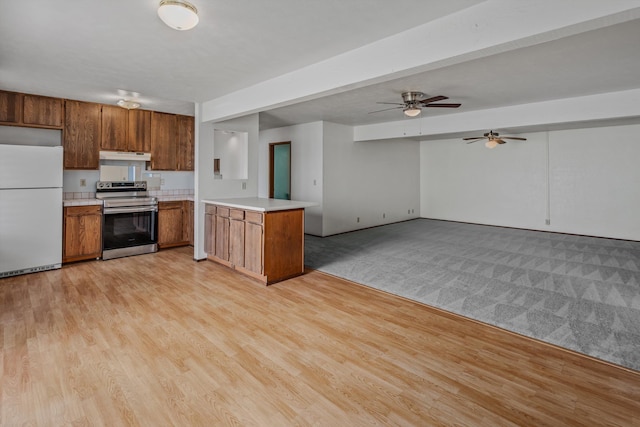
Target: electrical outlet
314, 182
408, 211
244, 185
161, 181
83, 182
384, 215
411, 210
358, 219
547, 221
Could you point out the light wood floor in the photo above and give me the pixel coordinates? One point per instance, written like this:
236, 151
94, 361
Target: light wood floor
160, 340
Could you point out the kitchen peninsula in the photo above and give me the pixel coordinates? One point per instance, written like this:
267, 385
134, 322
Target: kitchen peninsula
262, 238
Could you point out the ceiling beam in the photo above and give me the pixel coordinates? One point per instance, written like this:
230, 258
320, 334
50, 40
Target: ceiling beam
488, 28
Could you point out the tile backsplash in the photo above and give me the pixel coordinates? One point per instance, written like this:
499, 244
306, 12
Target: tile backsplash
169, 180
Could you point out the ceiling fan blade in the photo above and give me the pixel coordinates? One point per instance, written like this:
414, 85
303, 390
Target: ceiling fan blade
390, 103
499, 141
513, 137
386, 109
476, 138
443, 105
433, 99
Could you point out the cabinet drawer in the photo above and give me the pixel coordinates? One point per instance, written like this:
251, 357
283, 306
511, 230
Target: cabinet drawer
210, 209
236, 214
223, 212
83, 210
170, 205
255, 217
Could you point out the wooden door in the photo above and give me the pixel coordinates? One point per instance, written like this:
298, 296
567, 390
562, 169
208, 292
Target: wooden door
139, 133
42, 111
81, 139
185, 143
163, 141
114, 128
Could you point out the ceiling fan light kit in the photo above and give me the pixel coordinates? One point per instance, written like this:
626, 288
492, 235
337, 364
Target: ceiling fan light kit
412, 111
492, 143
178, 14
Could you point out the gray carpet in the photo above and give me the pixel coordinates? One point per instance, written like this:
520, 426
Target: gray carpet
581, 293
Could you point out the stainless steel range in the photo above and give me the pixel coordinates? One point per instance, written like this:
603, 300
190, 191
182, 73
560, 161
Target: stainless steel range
129, 220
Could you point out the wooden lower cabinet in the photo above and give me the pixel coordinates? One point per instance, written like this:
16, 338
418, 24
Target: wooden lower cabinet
268, 246
174, 226
82, 233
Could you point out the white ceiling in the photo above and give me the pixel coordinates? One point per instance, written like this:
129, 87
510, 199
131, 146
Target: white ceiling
100, 50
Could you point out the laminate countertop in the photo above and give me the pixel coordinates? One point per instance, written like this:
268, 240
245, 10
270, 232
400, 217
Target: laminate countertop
261, 204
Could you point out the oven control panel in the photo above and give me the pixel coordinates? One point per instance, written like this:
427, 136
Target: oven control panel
121, 186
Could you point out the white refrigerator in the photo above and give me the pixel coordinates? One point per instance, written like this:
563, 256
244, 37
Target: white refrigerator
30, 209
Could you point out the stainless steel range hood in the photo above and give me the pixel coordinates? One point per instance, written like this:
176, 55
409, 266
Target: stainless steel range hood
121, 155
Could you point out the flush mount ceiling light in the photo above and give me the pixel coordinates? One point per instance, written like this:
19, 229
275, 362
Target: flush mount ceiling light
128, 104
177, 14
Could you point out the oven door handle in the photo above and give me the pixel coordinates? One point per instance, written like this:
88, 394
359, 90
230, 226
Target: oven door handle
131, 209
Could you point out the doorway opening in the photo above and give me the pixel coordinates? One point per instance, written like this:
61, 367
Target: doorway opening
280, 170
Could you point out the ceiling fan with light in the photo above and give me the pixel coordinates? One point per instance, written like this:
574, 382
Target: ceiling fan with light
493, 139
413, 103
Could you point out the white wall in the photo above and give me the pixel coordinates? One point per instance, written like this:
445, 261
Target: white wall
471, 183
377, 182
306, 168
206, 187
347, 179
595, 181
592, 181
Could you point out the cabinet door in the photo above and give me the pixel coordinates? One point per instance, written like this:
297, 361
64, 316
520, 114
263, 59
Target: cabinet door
163, 141
42, 111
253, 247
210, 230
114, 128
82, 233
185, 143
81, 135
139, 135
222, 238
236, 242
188, 222
170, 219
10, 107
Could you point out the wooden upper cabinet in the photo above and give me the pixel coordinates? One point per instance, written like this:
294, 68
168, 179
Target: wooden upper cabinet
81, 139
20, 109
114, 128
139, 135
164, 133
42, 111
10, 107
185, 143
